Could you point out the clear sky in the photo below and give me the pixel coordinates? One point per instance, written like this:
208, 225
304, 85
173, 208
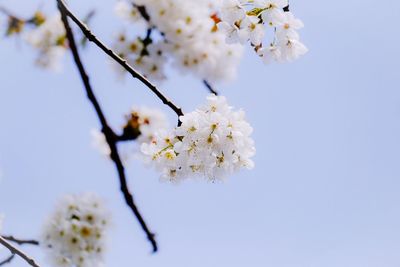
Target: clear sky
325, 190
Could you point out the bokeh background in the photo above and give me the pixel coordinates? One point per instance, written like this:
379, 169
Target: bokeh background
325, 191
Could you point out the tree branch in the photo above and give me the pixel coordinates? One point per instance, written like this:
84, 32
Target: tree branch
108, 132
8, 260
209, 87
143, 12
135, 74
18, 252
286, 8
21, 241
7, 12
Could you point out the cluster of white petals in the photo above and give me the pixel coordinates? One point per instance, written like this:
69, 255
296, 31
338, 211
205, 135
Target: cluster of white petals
212, 142
49, 38
246, 21
187, 38
148, 59
74, 235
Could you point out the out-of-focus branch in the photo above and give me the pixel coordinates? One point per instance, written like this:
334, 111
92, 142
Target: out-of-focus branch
286, 8
135, 74
8, 260
18, 242
21, 241
143, 12
13, 16
17, 252
106, 129
7, 12
210, 87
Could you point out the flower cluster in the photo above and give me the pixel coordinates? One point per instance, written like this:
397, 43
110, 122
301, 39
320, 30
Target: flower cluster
74, 235
187, 35
49, 38
149, 58
212, 142
245, 21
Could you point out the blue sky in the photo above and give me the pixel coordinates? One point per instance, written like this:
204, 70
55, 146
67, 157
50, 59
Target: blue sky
325, 190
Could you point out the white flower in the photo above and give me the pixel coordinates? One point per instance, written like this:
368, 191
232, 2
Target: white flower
50, 40
289, 26
273, 11
234, 34
269, 54
241, 23
254, 29
74, 235
232, 11
190, 41
212, 142
291, 49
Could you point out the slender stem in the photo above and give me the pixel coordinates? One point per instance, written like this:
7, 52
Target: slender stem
8, 260
209, 87
21, 241
13, 16
5, 11
143, 12
135, 74
18, 252
108, 132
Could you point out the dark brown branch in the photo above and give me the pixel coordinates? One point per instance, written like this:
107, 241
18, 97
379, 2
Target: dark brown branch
135, 74
209, 87
21, 241
108, 132
18, 252
143, 12
8, 260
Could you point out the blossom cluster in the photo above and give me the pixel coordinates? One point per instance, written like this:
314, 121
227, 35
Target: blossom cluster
45, 34
49, 38
245, 21
187, 38
212, 142
148, 58
74, 235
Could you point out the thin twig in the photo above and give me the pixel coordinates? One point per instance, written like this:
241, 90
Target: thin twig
108, 132
12, 15
209, 87
135, 74
18, 252
143, 12
6, 12
8, 260
21, 241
